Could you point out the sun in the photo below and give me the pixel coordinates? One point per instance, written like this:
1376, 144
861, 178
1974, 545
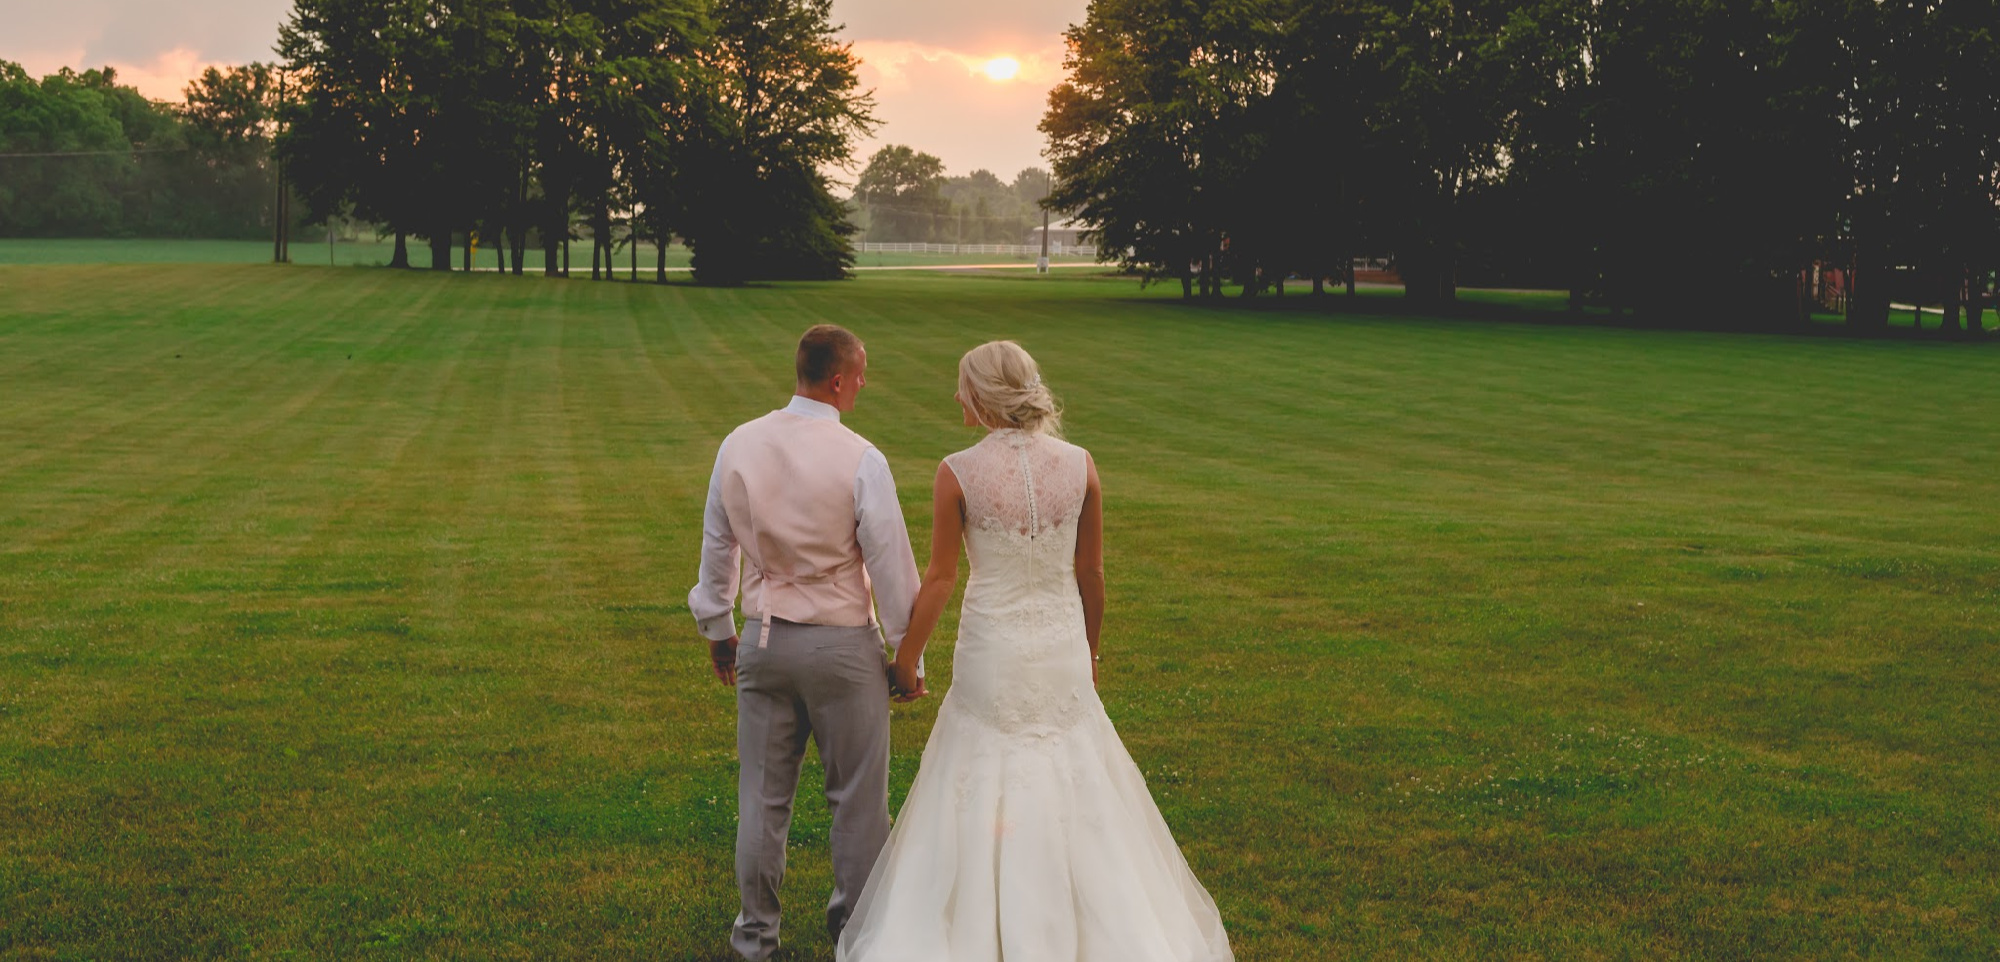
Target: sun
1001, 68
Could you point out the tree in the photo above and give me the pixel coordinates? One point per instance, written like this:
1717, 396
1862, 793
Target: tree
666, 87
87, 155
350, 138
1437, 124
1124, 138
442, 119
1318, 150
1690, 159
1030, 186
781, 104
230, 116
902, 192
1924, 112
64, 113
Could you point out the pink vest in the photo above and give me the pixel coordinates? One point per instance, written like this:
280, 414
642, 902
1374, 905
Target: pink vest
788, 488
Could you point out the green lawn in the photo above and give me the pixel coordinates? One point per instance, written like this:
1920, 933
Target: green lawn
341, 615
307, 250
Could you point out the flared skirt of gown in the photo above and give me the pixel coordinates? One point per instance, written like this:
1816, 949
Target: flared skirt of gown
1031, 840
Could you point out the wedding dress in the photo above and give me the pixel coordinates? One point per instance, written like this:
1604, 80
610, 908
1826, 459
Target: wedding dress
1028, 835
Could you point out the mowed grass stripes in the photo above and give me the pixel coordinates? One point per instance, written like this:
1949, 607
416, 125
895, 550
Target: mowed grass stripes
342, 614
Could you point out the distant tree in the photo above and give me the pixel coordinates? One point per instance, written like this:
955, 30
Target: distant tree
902, 192
1030, 186
64, 113
91, 156
982, 210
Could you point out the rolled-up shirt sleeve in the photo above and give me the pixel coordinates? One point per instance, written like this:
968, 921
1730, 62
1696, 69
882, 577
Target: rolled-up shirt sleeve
713, 598
885, 546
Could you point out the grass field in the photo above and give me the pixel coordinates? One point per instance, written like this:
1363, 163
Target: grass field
373, 253
341, 615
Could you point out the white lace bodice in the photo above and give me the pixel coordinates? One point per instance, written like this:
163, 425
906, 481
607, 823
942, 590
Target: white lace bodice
1021, 482
1022, 662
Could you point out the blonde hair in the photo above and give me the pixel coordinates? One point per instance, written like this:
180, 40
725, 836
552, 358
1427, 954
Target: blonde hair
1003, 386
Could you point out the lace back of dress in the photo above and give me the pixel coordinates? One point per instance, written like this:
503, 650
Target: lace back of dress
1026, 485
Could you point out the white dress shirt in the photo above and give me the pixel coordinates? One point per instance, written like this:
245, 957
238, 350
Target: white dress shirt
878, 519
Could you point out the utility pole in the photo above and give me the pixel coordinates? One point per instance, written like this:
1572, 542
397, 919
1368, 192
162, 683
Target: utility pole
279, 214
1042, 265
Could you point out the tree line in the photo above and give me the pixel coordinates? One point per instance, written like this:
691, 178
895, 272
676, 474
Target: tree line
1664, 156
706, 121
903, 196
82, 155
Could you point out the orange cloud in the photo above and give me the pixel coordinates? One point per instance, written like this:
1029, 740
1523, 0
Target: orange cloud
888, 64
166, 76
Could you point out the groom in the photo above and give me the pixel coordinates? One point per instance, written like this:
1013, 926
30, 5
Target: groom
811, 509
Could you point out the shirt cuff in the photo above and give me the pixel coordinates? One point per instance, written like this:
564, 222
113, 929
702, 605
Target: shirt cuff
719, 627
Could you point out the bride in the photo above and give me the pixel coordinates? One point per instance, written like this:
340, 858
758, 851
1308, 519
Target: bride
1028, 835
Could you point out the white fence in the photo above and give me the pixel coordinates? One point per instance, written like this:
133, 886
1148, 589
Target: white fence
1015, 250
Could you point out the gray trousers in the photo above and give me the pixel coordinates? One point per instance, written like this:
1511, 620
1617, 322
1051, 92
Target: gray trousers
829, 685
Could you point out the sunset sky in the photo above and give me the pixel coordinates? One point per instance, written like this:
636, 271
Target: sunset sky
930, 62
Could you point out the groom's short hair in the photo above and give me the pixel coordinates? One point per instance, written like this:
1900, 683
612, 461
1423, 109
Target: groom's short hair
826, 350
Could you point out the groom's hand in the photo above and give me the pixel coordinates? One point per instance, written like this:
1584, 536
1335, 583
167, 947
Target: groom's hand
905, 684
722, 654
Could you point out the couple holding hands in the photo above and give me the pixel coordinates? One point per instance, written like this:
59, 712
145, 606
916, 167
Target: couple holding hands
1029, 834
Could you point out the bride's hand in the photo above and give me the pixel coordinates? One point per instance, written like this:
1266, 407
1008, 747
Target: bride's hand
909, 687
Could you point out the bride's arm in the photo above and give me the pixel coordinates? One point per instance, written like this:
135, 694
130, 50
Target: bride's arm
947, 528
1090, 561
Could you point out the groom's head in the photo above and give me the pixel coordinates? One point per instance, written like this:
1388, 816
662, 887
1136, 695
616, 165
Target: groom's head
832, 365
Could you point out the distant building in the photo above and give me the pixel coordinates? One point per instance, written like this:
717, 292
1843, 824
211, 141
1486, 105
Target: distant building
1063, 234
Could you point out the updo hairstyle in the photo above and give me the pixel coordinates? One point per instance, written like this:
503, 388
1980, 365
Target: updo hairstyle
1003, 386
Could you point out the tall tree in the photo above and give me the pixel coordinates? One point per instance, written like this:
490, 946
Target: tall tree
783, 105
1124, 141
231, 119
1438, 122
351, 136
